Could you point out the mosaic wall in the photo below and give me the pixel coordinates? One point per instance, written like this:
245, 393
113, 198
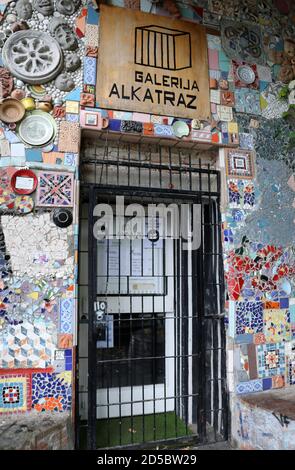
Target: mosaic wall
251, 74
39, 147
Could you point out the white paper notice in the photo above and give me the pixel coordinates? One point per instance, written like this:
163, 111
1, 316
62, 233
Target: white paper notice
24, 183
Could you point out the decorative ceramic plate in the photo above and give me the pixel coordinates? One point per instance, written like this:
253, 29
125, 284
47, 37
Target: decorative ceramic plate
24, 204
246, 74
37, 91
180, 129
24, 181
11, 110
62, 218
37, 129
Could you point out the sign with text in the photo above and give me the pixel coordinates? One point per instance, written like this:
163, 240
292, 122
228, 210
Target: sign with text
152, 64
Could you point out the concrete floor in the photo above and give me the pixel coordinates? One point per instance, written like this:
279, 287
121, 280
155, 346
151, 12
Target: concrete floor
216, 446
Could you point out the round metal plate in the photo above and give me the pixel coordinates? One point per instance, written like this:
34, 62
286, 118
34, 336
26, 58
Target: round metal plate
36, 129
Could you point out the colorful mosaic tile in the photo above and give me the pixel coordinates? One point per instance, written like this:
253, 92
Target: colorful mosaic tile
241, 84
276, 325
241, 194
242, 41
246, 141
50, 393
55, 189
249, 317
65, 340
247, 101
249, 387
90, 71
69, 136
66, 315
270, 359
278, 381
71, 159
92, 35
28, 345
72, 117
259, 338
239, 163
15, 392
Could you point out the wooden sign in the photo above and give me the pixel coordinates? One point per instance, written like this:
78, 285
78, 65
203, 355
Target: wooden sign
152, 64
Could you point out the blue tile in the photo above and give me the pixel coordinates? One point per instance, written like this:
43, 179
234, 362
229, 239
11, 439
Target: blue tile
115, 125
90, 70
92, 16
72, 117
249, 387
247, 338
284, 303
267, 384
73, 95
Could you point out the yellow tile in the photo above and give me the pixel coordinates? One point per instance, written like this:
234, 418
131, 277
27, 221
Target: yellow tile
72, 107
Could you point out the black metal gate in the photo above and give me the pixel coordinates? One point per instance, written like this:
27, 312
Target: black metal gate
151, 357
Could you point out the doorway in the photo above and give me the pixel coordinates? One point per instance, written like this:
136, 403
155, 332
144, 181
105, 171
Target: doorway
151, 357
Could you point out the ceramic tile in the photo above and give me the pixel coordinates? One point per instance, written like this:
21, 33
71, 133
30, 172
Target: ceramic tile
239, 163
15, 392
270, 359
28, 345
71, 159
276, 325
72, 117
50, 393
246, 141
72, 107
66, 315
69, 137
33, 155
163, 130
55, 189
90, 71
249, 387
242, 41
241, 84
249, 317
92, 35
247, 101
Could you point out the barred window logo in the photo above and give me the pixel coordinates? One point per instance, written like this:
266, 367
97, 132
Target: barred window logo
162, 48
154, 66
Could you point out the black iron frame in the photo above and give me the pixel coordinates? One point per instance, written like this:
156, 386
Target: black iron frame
210, 414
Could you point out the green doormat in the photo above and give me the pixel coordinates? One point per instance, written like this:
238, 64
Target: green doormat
137, 430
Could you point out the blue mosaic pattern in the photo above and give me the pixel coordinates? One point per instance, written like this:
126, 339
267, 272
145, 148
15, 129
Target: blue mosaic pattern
89, 70
247, 101
249, 199
66, 315
70, 159
249, 387
234, 197
163, 129
68, 359
271, 359
249, 317
46, 385
72, 117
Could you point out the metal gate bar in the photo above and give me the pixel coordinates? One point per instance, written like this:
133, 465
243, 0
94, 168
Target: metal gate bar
160, 179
